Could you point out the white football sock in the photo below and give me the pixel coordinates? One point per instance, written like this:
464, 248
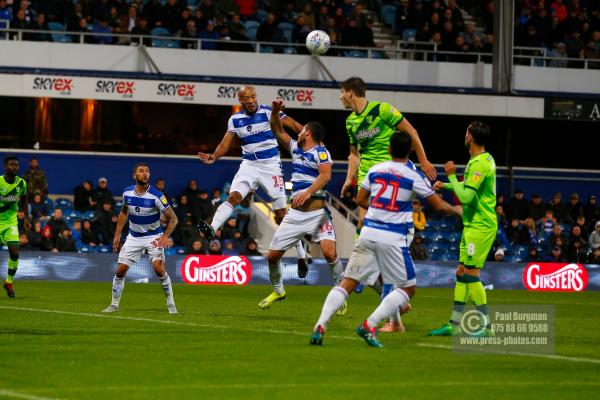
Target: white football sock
221, 215
392, 302
276, 278
336, 297
300, 249
165, 282
117, 290
337, 271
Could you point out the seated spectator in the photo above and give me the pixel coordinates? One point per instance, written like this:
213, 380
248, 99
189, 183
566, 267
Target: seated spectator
417, 248
211, 34
103, 224
76, 233
367, 37
594, 239
191, 34
243, 213
101, 32
24, 244
517, 206
591, 53
19, 22
239, 243
419, 219
300, 32
268, 31
351, 35
573, 209
594, 257
5, 11
556, 255
39, 208
84, 198
252, 249
81, 27
577, 234
501, 216
64, 242
47, 243
530, 226
247, 8
532, 255
170, 247
229, 248
235, 25
39, 25
536, 208
499, 255
574, 44
88, 236
591, 212
322, 18
170, 14
215, 248
560, 55
103, 194
556, 206
229, 228
517, 233
581, 223
57, 223
34, 236
216, 199
576, 253
142, 28
208, 9
196, 247
548, 223
557, 234
460, 47
205, 209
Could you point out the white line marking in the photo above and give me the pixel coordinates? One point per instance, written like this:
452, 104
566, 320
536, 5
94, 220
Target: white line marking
18, 395
519, 353
293, 333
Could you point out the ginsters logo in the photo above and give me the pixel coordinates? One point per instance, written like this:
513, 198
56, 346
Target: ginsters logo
125, 89
62, 86
184, 91
216, 270
552, 277
304, 97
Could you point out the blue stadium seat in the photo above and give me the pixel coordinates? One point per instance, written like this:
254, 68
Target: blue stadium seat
388, 15
63, 203
74, 214
266, 49
86, 249
455, 237
408, 35
290, 50
89, 214
356, 54
58, 36
261, 15
103, 249
168, 43
49, 203
427, 235
441, 237
251, 24
251, 32
441, 255
118, 204
286, 29
179, 249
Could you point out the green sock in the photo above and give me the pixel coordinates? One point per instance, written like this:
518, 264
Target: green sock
461, 292
12, 270
479, 297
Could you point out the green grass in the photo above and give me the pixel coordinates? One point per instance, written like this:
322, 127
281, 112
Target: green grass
222, 346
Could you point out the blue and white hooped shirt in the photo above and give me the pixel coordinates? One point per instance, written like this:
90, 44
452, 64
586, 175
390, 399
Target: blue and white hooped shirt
144, 211
306, 167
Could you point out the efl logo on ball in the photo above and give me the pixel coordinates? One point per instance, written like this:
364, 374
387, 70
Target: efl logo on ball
552, 277
317, 42
216, 270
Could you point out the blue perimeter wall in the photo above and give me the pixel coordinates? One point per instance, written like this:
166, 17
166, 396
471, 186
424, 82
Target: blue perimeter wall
65, 170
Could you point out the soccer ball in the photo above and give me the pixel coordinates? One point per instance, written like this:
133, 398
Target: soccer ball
317, 42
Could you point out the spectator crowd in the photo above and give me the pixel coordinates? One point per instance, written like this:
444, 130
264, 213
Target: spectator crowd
88, 222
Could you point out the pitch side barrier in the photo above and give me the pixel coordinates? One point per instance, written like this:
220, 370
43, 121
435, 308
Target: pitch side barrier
67, 169
182, 268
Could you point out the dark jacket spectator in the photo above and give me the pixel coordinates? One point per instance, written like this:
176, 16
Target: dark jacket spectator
36, 179
537, 209
39, 208
238, 242
204, 206
196, 247
558, 234
209, 33
170, 15
517, 206
418, 251
576, 253
594, 257
573, 209
229, 248
39, 25
591, 212
65, 242
24, 244
34, 236
577, 234
88, 236
102, 194
557, 207
57, 223
351, 34
300, 31
533, 255
252, 249
142, 28
229, 229
517, 233
268, 31
84, 198
103, 224
556, 255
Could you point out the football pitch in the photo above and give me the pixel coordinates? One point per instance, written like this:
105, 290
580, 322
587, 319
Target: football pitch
56, 344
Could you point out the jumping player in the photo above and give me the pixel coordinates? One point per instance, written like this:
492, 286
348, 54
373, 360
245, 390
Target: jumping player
308, 215
143, 205
13, 191
260, 165
382, 247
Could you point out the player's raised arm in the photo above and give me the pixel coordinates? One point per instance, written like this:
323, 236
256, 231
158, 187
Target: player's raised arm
319, 183
120, 224
426, 166
220, 151
292, 124
277, 126
353, 162
464, 193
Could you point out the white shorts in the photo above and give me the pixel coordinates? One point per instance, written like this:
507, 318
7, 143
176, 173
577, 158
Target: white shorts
375, 274
135, 247
296, 224
369, 259
266, 174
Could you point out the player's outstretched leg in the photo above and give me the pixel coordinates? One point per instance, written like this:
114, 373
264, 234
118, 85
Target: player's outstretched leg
13, 264
335, 299
165, 282
393, 301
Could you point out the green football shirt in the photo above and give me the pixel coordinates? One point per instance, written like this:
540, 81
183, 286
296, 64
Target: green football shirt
10, 195
480, 176
371, 130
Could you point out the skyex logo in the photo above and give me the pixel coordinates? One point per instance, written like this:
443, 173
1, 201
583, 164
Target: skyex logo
216, 270
227, 92
182, 90
302, 96
553, 277
124, 88
61, 85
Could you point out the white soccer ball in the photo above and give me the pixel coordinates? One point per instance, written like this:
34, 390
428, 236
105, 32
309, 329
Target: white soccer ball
317, 42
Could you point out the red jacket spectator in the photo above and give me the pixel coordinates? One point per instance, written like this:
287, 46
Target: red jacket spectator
247, 7
560, 10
